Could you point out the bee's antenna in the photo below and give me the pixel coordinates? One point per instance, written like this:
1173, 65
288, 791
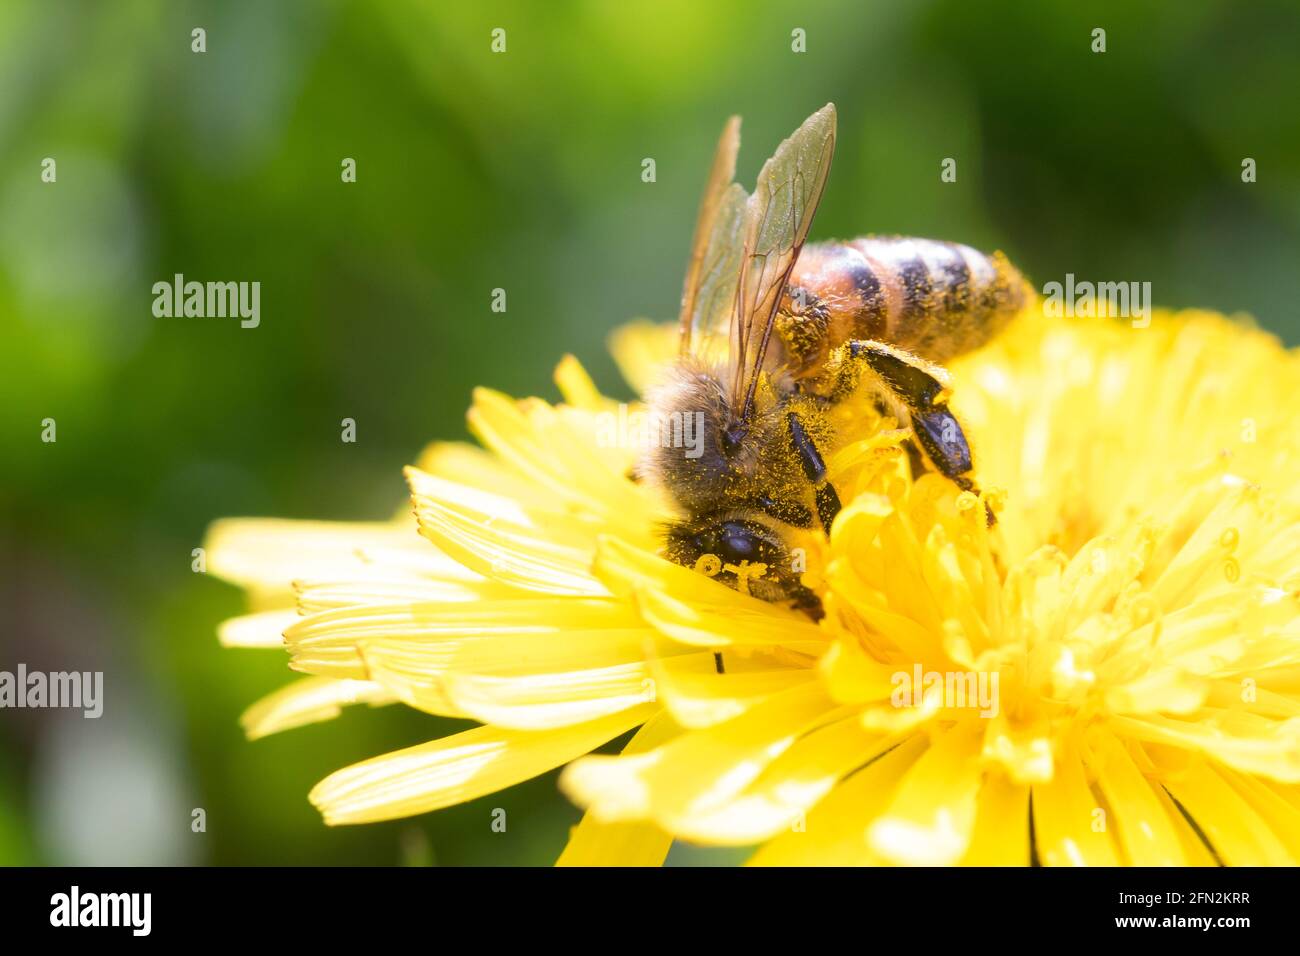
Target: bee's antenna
734, 434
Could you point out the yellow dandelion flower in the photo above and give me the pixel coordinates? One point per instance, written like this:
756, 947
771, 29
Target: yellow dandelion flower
1111, 675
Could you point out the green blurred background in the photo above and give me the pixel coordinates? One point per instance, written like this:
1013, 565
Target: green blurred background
477, 170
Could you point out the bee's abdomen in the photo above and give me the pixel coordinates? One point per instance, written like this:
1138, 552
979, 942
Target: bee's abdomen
937, 299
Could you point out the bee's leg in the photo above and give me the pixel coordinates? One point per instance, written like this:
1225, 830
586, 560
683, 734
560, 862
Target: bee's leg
814, 467
806, 600
917, 391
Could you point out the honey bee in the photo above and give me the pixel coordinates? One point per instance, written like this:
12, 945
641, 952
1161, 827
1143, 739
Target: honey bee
773, 334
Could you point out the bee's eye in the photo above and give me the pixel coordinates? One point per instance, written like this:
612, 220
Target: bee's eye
735, 541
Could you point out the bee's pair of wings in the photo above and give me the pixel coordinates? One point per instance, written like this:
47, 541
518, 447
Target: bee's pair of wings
745, 248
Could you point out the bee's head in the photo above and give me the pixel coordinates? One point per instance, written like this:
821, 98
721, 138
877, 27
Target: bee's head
731, 540
703, 459
744, 551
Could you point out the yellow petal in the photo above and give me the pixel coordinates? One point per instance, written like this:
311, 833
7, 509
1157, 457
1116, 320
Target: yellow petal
1268, 748
308, 701
1070, 825
1000, 836
552, 699
696, 695
929, 821
699, 770
592, 843
1196, 850
471, 465
483, 503
1201, 558
834, 833
263, 629
490, 637
458, 768
271, 553
1280, 815
1146, 832
705, 625
854, 677
1239, 835
642, 350
560, 449
577, 387
317, 596
784, 792
1168, 690
534, 559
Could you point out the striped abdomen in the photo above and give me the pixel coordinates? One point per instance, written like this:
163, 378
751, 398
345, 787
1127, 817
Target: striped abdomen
937, 299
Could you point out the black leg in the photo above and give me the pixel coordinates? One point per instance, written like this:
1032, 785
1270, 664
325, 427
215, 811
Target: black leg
917, 390
807, 601
942, 439
814, 468
828, 504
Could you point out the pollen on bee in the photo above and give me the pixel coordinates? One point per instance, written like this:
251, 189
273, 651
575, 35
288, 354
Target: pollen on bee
744, 571
708, 564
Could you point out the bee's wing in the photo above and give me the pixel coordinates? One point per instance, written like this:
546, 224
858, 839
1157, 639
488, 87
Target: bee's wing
777, 218
714, 226
719, 272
